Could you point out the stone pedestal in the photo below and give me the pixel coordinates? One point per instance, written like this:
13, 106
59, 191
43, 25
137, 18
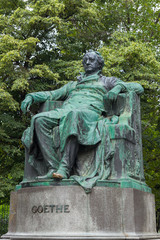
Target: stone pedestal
67, 212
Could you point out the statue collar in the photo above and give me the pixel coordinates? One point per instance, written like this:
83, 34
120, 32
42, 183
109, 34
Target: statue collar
83, 78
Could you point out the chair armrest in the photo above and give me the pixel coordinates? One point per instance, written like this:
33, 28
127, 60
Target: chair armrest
50, 105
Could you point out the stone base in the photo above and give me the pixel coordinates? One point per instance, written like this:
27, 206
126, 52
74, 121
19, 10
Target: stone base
86, 237
67, 212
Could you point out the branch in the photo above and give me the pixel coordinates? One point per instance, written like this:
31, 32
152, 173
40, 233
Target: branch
157, 20
128, 17
91, 1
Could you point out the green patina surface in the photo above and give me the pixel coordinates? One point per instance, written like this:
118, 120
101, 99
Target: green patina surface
123, 183
97, 112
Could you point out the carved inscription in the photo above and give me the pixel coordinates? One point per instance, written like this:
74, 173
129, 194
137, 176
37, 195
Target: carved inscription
51, 209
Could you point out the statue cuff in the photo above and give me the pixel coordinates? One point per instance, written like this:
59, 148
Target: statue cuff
124, 88
39, 97
30, 96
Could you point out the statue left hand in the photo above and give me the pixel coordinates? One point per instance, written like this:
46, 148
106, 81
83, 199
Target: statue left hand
113, 93
26, 103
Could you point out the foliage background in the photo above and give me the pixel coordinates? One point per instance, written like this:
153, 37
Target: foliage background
41, 46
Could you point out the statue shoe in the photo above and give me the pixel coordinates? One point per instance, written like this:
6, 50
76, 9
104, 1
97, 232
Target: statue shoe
49, 175
59, 175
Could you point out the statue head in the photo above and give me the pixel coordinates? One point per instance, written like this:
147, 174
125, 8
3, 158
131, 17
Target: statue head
92, 62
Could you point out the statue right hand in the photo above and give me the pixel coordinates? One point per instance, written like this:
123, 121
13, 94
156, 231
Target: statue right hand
26, 103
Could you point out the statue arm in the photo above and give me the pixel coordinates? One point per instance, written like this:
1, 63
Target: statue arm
136, 87
40, 97
59, 94
36, 97
130, 86
117, 86
62, 93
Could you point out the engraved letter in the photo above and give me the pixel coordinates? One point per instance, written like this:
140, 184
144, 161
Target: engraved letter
34, 209
66, 210
59, 208
40, 209
52, 206
46, 210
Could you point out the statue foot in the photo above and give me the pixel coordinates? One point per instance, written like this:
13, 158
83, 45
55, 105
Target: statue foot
59, 175
49, 175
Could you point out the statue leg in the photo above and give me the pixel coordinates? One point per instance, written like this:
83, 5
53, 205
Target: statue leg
43, 136
68, 159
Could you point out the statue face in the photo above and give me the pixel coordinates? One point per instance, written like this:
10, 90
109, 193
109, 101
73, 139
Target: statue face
90, 63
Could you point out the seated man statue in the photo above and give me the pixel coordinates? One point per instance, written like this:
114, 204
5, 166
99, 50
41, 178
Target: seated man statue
80, 120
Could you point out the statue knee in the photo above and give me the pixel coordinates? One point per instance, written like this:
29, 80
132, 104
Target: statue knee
75, 113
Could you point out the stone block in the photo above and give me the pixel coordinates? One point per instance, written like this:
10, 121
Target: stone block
67, 212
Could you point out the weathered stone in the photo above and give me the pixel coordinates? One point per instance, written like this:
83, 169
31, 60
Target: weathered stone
66, 212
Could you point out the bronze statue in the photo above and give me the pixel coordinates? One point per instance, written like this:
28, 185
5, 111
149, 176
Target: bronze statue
82, 120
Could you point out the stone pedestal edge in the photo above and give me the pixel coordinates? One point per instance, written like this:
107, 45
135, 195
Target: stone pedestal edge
90, 237
116, 183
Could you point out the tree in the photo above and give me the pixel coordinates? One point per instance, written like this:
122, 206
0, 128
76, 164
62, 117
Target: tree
30, 38
41, 44
133, 60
